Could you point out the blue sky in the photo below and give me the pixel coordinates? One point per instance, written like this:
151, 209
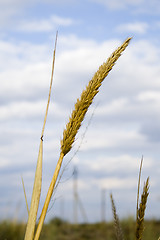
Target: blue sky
122, 124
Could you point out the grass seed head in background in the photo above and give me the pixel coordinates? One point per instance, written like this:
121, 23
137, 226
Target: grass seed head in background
139, 181
141, 211
118, 230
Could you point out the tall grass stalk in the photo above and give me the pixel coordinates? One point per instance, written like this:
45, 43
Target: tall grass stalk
118, 230
141, 211
72, 128
30, 229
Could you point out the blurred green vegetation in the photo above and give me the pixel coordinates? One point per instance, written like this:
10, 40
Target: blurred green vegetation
60, 230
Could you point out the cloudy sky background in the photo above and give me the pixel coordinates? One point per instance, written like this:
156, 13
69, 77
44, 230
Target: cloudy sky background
122, 124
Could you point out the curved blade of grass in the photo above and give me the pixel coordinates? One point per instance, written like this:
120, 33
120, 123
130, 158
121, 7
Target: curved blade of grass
76, 119
29, 235
50, 88
35, 196
25, 195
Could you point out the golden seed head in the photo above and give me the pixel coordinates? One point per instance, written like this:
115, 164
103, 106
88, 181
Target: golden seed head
86, 99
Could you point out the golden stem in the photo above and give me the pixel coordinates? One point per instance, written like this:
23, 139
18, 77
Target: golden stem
48, 197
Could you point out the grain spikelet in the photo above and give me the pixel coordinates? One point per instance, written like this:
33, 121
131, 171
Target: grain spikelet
141, 211
86, 99
118, 230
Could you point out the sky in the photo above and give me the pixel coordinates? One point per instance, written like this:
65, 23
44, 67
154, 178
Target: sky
121, 126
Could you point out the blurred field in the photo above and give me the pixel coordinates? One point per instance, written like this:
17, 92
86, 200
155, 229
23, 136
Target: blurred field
60, 230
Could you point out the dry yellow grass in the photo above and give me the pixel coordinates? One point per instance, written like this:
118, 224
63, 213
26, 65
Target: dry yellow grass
141, 211
86, 99
118, 230
69, 134
32, 217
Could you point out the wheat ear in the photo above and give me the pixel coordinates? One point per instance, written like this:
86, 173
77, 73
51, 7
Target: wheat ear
118, 230
141, 211
75, 121
31, 223
86, 99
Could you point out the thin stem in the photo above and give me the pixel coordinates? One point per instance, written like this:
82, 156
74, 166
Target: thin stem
49, 96
48, 197
25, 195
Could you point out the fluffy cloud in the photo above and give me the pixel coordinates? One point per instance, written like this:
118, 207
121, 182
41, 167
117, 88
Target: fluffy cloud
11, 11
138, 6
133, 28
44, 25
115, 4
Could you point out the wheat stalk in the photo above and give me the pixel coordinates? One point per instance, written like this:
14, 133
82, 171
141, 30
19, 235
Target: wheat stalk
141, 211
75, 122
118, 230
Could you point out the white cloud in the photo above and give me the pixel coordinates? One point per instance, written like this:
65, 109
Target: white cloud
135, 6
44, 25
115, 4
117, 163
116, 183
133, 28
11, 10
28, 110
149, 96
111, 139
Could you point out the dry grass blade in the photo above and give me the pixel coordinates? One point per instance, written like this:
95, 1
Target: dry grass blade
49, 96
86, 99
118, 230
29, 234
141, 211
25, 195
75, 121
30, 229
139, 180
